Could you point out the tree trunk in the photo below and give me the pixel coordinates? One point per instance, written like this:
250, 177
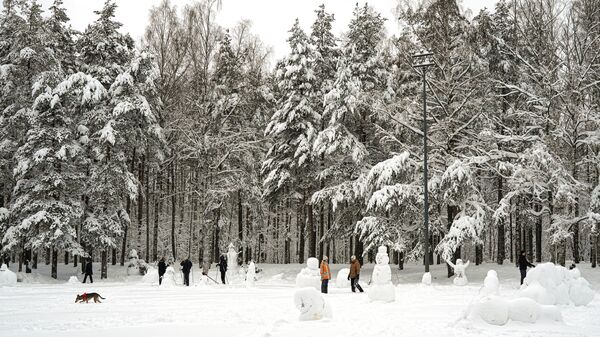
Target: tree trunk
35, 260
157, 210
114, 257
518, 229
312, 234
47, 256
140, 206
478, 254
401, 260
538, 234
321, 232
54, 272
104, 264
148, 213
66, 257
240, 214
301, 232
501, 231
173, 211
594, 250
451, 213
128, 209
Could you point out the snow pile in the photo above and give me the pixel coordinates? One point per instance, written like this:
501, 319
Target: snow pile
151, 276
73, 280
135, 266
311, 304
491, 284
342, 281
551, 284
250, 275
426, 279
496, 310
309, 276
7, 277
382, 288
168, 278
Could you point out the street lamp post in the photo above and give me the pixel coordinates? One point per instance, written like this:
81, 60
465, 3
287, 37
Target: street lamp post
423, 60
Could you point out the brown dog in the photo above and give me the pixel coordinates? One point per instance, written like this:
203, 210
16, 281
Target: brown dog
86, 297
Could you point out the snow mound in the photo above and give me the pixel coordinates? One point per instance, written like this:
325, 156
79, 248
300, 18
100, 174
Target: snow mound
496, 310
491, 284
151, 276
341, 280
311, 304
426, 279
550, 284
492, 310
309, 276
523, 310
7, 277
73, 280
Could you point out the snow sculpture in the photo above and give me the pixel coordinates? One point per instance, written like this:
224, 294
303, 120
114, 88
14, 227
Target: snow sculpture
496, 310
459, 270
234, 274
73, 280
151, 276
250, 274
135, 266
491, 284
168, 278
382, 288
550, 284
342, 281
311, 304
309, 276
426, 279
7, 277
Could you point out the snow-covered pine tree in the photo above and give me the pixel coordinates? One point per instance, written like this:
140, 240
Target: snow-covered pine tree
289, 164
362, 86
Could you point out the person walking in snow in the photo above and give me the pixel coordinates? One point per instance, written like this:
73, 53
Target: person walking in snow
354, 274
186, 267
89, 271
222, 267
523, 264
162, 269
325, 275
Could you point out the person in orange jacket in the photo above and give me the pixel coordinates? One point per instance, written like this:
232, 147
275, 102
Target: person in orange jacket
325, 275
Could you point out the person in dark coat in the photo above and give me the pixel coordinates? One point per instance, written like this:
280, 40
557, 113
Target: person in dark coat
88, 271
222, 267
523, 264
186, 267
162, 269
354, 274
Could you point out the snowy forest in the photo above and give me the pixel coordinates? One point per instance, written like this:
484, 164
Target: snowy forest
195, 137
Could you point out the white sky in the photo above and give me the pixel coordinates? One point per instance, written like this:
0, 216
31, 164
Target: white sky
271, 18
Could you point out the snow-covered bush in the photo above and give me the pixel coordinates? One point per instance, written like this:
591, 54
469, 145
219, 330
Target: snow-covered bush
309, 276
135, 266
382, 288
341, 280
551, 284
311, 304
7, 277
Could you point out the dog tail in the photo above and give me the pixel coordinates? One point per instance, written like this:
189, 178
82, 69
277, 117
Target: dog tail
101, 297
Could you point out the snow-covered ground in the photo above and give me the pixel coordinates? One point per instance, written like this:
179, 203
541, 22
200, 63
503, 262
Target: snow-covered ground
40, 306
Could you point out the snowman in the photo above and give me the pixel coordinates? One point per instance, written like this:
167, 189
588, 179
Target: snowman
250, 274
382, 288
233, 269
309, 276
7, 277
459, 270
169, 278
491, 284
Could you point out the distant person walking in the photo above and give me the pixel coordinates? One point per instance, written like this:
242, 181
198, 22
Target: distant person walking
325, 275
89, 271
186, 267
222, 267
354, 274
523, 264
162, 269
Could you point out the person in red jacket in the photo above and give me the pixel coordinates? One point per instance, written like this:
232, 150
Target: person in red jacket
325, 275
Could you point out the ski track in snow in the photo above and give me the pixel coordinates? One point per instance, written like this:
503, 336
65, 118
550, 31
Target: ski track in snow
46, 307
